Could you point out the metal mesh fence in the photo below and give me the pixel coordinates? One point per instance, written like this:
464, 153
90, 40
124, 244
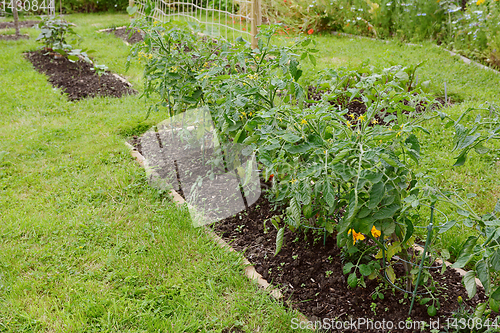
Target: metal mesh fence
224, 18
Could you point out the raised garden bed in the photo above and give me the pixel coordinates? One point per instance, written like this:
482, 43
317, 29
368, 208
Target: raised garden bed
77, 80
310, 277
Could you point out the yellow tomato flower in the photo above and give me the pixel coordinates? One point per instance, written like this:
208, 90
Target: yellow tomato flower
376, 233
362, 118
293, 181
355, 236
480, 2
399, 134
304, 122
352, 116
374, 121
348, 123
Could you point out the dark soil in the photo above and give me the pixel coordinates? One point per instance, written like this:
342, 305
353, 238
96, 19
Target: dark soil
126, 35
77, 80
358, 108
22, 24
13, 37
311, 278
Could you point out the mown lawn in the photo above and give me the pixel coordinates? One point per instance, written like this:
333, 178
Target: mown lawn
467, 85
85, 244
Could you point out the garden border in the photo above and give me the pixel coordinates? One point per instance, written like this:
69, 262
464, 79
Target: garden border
113, 29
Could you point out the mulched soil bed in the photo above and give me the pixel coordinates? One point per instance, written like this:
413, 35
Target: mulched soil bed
124, 34
299, 270
77, 80
22, 24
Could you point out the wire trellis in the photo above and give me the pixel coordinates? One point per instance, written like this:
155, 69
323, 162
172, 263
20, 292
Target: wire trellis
224, 18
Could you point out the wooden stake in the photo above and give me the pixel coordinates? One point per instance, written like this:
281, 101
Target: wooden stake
256, 21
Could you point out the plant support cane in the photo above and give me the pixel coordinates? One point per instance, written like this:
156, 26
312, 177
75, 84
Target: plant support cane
427, 242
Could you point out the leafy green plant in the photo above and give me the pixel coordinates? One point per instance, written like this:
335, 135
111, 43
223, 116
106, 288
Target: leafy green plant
173, 57
55, 33
100, 70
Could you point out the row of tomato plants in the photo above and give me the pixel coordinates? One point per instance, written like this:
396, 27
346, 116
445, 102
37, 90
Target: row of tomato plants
353, 175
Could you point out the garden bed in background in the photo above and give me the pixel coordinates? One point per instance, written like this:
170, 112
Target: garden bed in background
125, 34
77, 80
22, 24
310, 274
13, 37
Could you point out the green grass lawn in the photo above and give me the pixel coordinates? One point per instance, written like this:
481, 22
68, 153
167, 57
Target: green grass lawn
87, 246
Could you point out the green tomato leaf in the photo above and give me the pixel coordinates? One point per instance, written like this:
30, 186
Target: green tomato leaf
483, 273
279, 240
466, 253
376, 194
347, 267
431, 311
365, 269
352, 280
424, 301
495, 260
478, 313
386, 212
496, 295
290, 137
470, 283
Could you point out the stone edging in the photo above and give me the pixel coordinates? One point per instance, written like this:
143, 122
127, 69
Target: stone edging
113, 29
122, 79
